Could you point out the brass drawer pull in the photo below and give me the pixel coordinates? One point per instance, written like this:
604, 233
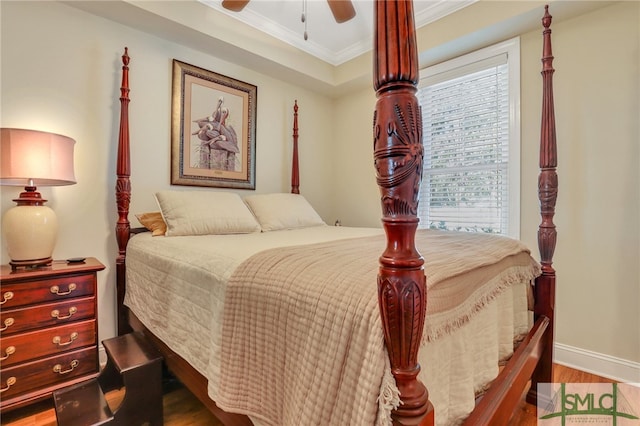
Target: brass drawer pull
9, 351
58, 368
7, 323
56, 313
8, 295
58, 339
56, 290
10, 382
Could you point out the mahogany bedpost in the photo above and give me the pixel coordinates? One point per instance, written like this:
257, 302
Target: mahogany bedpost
547, 194
295, 169
123, 194
398, 156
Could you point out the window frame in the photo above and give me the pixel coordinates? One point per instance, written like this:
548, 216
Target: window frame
475, 61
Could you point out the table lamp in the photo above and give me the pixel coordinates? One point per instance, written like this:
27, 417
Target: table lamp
33, 158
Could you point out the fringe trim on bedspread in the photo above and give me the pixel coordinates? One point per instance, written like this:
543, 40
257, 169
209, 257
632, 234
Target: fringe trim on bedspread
389, 398
466, 310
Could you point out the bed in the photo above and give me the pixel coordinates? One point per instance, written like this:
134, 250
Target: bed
281, 323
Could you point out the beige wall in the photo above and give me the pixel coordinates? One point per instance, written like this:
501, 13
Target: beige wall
62, 73
596, 95
598, 210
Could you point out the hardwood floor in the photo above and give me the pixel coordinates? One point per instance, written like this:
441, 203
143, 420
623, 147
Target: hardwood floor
181, 408
526, 414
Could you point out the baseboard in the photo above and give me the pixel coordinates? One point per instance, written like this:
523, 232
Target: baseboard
599, 364
102, 356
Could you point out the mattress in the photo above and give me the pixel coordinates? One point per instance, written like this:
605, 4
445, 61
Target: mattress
176, 287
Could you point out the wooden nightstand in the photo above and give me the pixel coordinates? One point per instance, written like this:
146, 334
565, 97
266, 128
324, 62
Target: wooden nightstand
48, 329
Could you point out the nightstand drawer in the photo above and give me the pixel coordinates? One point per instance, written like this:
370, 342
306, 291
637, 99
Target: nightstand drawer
47, 372
38, 291
50, 314
48, 317
47, 342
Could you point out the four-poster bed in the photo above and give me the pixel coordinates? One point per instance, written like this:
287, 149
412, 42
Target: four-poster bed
403, 298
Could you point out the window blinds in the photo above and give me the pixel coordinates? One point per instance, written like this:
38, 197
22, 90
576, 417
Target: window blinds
465, 114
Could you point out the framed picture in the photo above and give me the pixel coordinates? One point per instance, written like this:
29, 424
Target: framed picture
213, 129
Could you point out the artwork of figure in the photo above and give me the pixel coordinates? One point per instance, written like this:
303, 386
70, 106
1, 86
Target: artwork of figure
218, 141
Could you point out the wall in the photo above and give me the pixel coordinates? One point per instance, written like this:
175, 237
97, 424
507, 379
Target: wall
62, 73
596, 94
598, 210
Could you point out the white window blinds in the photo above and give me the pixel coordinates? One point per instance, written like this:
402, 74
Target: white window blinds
468, 134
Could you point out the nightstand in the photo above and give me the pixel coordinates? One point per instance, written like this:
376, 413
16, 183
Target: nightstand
48, 329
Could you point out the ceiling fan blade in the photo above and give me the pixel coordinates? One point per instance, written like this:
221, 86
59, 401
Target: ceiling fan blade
234, 5
342, 10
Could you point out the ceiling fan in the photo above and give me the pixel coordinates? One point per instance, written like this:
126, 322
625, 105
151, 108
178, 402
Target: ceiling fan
342, 10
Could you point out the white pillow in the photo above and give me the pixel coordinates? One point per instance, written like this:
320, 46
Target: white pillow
283, 211
205, 213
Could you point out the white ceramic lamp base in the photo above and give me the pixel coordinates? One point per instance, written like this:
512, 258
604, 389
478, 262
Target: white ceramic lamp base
30, 232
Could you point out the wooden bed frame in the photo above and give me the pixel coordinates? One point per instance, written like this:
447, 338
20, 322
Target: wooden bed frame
402, 295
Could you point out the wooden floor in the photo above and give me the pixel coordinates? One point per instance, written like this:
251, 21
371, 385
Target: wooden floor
181, 408
526, 414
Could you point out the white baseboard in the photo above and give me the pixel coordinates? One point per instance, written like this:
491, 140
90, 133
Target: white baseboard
599, 364
102, 356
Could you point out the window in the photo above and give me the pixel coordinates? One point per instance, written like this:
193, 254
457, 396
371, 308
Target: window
471, 134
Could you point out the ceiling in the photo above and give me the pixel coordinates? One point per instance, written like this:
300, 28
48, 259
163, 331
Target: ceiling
336, 58
327, 40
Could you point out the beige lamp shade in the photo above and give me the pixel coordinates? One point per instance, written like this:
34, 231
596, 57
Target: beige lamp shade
33, 158
44, 158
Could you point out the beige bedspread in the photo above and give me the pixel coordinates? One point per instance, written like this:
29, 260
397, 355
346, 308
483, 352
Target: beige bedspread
301, 334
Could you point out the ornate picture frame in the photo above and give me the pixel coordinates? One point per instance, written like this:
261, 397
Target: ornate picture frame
213, 129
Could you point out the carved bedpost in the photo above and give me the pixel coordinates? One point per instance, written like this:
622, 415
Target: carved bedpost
547, 193
295, 170
398, 152
123, 193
